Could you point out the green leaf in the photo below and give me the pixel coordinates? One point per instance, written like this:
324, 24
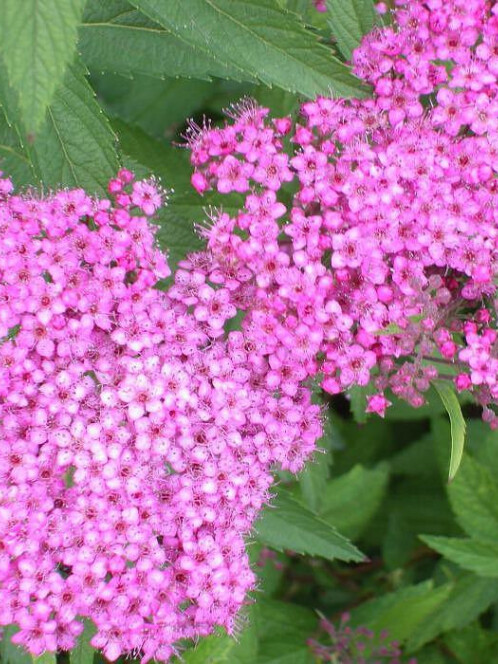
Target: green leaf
474, 498
313, 479
221, 649
402, 611
257, 38
159, 107
283, 631
83, 652
351, 500
162, 160
450, 401
472, 645
116, 38
358, 402
38, 38
349, 20
75, 147
46, 658
471, 554
9, 652
468, 598
13, 156
286, 524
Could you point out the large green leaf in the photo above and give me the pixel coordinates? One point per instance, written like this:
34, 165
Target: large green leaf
401, 612
469, 596
37, 41
286, 524
115, 37
349, 501
75, 146
349, 20
258, 38
474, 555
474, 498
454, 410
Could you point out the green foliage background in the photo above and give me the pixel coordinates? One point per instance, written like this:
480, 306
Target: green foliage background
372, 525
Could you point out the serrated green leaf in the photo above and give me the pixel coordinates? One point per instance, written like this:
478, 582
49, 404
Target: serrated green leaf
9, 652
286, 524
468, 598
402, 611
75, 147
116, 38
349, 20
474, 498
37, 41
83, 652
471, 554
350, 501
13, 158
454, 410
259, 38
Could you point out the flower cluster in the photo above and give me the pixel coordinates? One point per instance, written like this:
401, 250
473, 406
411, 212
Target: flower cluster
137, 437
381, 271
320, 5
350, 645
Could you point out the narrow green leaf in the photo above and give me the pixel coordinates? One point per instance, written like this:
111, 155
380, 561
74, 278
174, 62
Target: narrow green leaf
474, 555
474, 499
75, 147
351, 500
450, 401
286, 524
38, 38
114, 37
259, 38
349, 20
83, 652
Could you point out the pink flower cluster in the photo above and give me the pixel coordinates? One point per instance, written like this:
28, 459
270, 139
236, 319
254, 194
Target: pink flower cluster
137, 437
320, 5
369, 253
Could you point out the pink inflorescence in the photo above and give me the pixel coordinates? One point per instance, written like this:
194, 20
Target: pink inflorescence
382, 269
137, 436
